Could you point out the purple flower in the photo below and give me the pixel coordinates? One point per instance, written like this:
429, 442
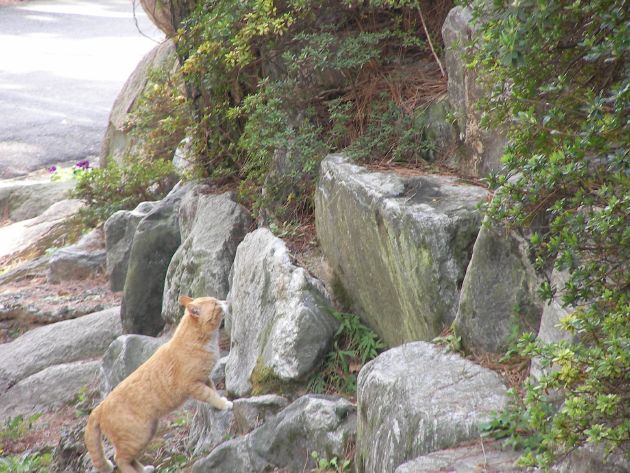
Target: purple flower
83, 164
52, 169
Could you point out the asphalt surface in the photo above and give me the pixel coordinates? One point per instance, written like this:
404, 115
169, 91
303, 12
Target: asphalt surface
62, 64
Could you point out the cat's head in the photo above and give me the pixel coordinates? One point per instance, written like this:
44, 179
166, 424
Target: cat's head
208, 311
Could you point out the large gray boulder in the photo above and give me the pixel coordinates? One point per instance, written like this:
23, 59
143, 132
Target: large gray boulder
498, 300
280, 324
482, 148
312, 423
399, 245
57, 344
484, 456
119, 141
416, 399
211, 228
52, 387
124, 356
119, 231
28, 198
155, 241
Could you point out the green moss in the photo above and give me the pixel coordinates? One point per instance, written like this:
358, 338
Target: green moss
265, 381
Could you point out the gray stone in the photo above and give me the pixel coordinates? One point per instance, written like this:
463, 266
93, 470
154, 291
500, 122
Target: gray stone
50, 388
211, 228
155, 241
119, 231
31, 238
416, 399
483, 148
218, 372
250, 413
312, 423
479, 457
399, 245
28, 198
70, 263
118, 142
591, 459
210, 428
280, 325
498, 300
84, 259
64, 342
124, 356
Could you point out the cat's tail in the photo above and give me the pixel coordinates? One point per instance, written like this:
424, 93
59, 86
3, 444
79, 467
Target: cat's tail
94, 443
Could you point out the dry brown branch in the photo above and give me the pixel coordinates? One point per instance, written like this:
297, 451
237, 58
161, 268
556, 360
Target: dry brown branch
426, 32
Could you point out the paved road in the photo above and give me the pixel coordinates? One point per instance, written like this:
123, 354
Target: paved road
62, 63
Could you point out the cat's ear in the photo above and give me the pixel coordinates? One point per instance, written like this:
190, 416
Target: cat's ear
185, 300
194, 311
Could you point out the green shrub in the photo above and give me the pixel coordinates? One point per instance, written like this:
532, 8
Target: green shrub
559, 76
119, 187
276, 86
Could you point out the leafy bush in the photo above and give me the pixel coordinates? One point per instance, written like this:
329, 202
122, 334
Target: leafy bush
161, 116
115, 187
559, 77
354, 345
277, 85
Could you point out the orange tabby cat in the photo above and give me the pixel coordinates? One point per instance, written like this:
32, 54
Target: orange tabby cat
178, 370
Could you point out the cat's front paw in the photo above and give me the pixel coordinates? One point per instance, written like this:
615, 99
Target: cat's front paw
227, 404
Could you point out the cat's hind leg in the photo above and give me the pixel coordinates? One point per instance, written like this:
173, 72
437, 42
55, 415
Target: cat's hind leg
131, 444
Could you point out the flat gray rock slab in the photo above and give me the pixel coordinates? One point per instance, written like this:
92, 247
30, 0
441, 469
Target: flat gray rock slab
32, 237
480, 457
64, 342
21, 199
52, 387
416, 399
